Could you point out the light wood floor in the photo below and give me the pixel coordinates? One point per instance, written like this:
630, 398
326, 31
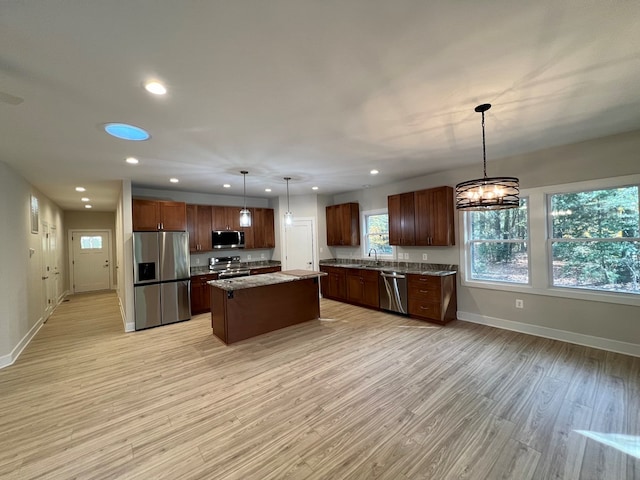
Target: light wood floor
359, 395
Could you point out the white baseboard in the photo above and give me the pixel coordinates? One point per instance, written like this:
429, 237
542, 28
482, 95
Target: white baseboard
128, 326
6, 360
554, 334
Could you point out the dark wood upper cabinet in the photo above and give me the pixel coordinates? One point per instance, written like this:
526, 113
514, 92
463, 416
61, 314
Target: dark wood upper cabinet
155, 215
434, 217
263, 228
401, 210
199, 226
261, 233
343, 224
423, 218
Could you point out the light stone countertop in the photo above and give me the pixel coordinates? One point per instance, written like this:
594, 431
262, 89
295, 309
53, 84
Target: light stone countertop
262, 280
433, 269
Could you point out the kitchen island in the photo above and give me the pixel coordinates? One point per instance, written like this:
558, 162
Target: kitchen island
244, 307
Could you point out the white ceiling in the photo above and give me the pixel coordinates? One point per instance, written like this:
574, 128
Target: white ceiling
321, 91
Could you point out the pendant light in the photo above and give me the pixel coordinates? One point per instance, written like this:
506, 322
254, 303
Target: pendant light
288, 216
245, 215
488, 193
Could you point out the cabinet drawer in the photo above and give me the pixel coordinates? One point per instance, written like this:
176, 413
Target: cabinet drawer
425, 309
424, 286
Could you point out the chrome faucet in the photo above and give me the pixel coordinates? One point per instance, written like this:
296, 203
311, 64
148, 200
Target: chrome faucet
375, 252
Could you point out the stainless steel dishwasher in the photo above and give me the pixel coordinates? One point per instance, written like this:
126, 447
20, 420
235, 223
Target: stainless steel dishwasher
393, 291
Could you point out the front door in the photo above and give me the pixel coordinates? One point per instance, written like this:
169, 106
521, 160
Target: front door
91, 260
299, 245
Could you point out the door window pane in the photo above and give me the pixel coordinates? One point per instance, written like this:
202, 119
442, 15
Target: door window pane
90, 243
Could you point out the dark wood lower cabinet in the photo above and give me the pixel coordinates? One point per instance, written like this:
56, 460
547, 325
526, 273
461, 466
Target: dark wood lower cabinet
353, 285
200, 293
432, 298
362, 287
248, 312
334, 283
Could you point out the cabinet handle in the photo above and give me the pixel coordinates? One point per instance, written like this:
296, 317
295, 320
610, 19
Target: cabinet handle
423, 308
423, 291
422, 279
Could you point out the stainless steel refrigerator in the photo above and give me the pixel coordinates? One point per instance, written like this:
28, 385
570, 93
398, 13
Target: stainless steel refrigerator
161, 278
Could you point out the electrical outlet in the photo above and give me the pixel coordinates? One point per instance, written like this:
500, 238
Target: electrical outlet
519, 303
249, 257
425, 256
321, 249
262, 255
406, 256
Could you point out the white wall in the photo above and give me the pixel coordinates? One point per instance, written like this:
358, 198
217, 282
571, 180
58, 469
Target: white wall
21, 287
609, 325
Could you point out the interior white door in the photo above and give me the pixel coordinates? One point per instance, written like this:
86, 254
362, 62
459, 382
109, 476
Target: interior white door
54, 253
91, 261
299, 245
47, 274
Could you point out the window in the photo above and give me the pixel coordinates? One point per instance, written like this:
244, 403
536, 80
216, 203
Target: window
595, 240
90, 243
376, 233
498, 245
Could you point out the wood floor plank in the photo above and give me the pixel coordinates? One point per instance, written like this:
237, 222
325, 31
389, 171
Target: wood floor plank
359, 394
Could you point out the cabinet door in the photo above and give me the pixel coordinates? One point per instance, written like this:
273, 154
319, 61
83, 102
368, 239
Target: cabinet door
401, 219
349, 224
355, 287
333, 226
146, 215
203, 230
250, 232
264, 230
219, 218
435, 217
232, 215
371, 296
173, 216
192, 228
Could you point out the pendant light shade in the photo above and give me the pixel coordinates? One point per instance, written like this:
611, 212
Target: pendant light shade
487, 193
245, 215
288, 216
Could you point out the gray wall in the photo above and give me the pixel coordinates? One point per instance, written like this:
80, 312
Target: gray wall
602, 158
21, 286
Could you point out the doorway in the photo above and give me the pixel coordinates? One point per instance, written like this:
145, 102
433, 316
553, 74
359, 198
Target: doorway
90, 259
299, 245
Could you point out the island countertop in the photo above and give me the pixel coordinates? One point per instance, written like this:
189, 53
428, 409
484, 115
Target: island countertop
239, 283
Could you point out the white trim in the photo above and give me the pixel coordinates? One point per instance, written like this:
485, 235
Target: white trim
9, 359
128, 326
554, 334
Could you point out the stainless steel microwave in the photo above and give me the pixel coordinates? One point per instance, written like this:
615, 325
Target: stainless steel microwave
227, 239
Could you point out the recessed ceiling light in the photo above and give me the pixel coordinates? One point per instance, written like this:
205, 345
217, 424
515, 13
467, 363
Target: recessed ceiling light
267, 189
132, 160
374, 172
174, 180
88, 206
155, 87
126, 132
81, 189
314, 188
85, 199
226, 185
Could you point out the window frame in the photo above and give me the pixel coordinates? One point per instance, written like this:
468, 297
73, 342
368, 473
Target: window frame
540, 260
365, 234
468, 243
